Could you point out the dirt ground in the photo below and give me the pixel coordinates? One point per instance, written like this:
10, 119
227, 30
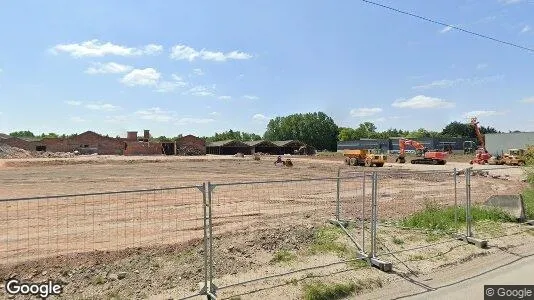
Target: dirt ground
152, 239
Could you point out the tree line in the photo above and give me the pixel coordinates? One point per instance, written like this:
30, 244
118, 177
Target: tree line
318, 130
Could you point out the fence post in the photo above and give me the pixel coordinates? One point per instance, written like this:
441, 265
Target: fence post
455, 176
337, 194
212, 287
382, 265
363, 211
468, 216
204, 290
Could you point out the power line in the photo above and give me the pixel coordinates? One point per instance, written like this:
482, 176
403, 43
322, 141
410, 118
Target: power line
448, 25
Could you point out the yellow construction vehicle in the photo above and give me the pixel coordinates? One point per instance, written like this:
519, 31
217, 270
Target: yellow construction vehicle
514, 157
367, 158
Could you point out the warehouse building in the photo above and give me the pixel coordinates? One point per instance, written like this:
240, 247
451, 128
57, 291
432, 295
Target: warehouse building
263, 146
497, 143
392, 144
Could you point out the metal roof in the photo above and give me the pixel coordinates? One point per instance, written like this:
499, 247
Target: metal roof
256, 143
226, 143
285, 143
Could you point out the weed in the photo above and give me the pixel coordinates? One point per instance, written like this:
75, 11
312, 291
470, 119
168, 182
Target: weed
397, 241
322, 291
283, 256
325, 241
235, 298
528, 200
435, 217
357, 264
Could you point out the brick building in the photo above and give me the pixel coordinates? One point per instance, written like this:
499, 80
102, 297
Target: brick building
88, 141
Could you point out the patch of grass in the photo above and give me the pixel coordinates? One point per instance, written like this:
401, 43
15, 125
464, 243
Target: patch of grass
397, 241
293, 281
435, 217
235, 298
283, 256
528, 200
325, 241
322, 291
358, 264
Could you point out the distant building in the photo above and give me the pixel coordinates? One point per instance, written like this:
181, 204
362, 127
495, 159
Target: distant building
501, 142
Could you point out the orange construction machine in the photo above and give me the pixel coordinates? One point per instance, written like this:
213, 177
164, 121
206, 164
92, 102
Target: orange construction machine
482, 156
429, 157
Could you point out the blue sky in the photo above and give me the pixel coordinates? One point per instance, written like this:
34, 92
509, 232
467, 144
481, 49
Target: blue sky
204, 66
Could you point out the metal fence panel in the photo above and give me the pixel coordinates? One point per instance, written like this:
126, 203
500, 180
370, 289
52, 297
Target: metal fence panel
71, 227
264, 230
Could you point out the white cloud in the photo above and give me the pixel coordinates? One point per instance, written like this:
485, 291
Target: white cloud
154, 114
260, 117
365, 112
103, 107
214, 114
251, 97
528, 100
201, 91
77, 119
116, 119
143, 77
482, 66
74, 103
525, 29
184, 121
170, 86
95, 48
483, 113
225, 97
183, 52
152, 49
447, 83
422, 102
108, 68
198, 72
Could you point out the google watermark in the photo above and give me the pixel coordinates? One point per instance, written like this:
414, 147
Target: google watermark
44, 290
522, 292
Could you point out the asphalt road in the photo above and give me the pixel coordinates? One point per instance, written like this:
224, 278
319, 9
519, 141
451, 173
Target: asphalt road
518, 273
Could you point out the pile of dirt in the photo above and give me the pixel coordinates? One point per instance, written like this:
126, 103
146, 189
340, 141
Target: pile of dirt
189, 151
13, 152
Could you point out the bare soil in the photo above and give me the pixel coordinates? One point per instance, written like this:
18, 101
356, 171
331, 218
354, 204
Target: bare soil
155, 237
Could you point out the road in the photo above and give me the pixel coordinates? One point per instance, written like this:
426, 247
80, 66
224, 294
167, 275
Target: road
519, 272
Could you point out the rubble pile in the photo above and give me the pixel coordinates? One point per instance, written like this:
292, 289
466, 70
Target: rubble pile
189, 151
14, 152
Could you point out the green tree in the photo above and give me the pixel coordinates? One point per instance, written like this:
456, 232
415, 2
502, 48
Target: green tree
233, 135
21, 134
51, 135
316, 129
457, 129
163, 139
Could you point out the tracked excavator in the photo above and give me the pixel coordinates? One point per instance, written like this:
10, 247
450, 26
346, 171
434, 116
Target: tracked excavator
482, 156
428, 157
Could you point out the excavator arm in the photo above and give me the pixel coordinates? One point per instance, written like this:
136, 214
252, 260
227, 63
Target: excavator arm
480, 136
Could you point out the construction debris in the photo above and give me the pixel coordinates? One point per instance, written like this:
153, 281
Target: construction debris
14, 152
189, 151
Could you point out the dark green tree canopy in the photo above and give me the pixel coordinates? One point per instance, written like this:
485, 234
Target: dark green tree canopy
233, 135
22, 134
316, 129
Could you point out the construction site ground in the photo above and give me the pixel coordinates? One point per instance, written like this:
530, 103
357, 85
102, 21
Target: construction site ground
172, 271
